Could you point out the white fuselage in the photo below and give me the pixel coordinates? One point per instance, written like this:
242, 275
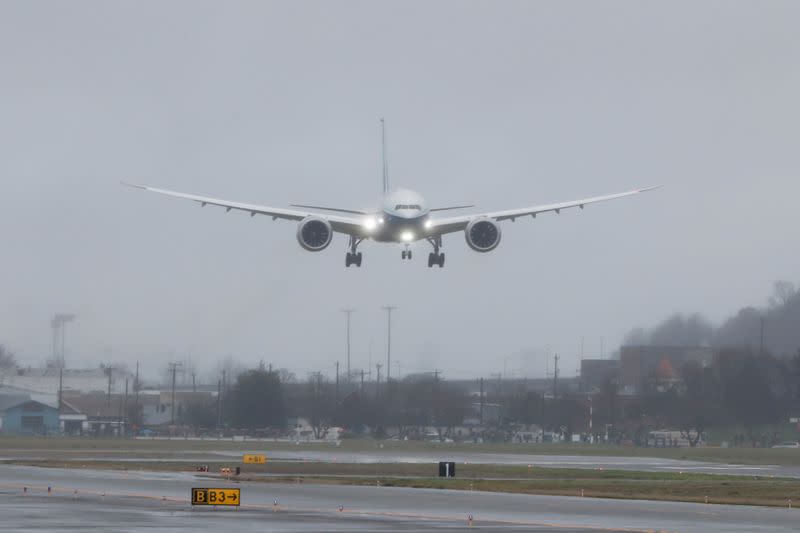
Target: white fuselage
402, 218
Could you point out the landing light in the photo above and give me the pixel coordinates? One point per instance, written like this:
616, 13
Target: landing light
370, 224
428, 224
407, 236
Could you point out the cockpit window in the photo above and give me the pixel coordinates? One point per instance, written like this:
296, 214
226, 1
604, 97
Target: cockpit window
398, 207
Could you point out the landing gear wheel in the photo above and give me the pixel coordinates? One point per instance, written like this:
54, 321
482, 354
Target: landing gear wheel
408, 254
435, 259
357, 260
403, 254
348, 260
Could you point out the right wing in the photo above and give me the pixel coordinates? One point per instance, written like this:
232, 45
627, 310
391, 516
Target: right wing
452, 224
349, 225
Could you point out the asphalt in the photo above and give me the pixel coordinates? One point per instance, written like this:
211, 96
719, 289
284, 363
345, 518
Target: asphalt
86, 499
333, 455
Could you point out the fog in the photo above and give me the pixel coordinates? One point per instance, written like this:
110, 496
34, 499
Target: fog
500, 104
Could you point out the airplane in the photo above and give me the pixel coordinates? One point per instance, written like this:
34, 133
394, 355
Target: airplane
403, 218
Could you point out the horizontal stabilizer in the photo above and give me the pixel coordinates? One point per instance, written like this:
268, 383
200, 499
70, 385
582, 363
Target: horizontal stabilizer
451, 208
336, 209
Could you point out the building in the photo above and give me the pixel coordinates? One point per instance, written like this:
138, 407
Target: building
641, 366
30, 417
46, 380
101, 415
595, 373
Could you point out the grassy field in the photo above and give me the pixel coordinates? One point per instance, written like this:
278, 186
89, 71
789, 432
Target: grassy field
753, 456
672, 486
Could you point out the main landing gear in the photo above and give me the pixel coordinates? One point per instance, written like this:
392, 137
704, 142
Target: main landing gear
406, 253
435, 257
353, 257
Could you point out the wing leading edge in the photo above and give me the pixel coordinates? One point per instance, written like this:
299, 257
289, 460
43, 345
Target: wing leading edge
349, 225
452, 224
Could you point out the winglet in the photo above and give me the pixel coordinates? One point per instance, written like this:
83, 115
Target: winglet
133, 185
651, 188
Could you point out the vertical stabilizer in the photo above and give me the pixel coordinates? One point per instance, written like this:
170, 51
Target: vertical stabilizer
385, 161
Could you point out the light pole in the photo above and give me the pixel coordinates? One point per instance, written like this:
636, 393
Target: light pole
58, 324
173, 367
389, 309
347, 313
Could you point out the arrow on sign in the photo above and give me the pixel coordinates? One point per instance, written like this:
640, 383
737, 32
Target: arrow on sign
233, 496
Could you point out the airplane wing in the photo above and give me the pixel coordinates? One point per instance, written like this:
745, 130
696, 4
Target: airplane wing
453, 224
349, 225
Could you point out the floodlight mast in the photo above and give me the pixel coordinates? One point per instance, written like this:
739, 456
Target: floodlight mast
57, 323
348, 311
389, 309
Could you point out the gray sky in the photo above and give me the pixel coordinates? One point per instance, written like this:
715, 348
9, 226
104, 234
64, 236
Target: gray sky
503, 104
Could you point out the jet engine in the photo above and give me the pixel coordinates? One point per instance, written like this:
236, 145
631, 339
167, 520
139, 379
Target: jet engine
314, 233
482, 234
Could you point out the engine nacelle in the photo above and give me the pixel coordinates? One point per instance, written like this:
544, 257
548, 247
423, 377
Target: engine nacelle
482, 234
314, 233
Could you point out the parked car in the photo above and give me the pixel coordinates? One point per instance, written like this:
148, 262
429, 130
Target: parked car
787, 445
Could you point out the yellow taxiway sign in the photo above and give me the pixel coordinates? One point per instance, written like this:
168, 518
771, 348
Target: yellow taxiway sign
254, 459
204, 496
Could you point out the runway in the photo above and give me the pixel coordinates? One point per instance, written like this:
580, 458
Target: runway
335, 455
136, 501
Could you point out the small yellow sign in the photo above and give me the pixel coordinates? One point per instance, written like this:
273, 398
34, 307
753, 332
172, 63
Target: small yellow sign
254, 459
204, 496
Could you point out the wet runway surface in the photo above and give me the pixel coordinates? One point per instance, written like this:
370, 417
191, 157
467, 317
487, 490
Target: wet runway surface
646, 464
137, 501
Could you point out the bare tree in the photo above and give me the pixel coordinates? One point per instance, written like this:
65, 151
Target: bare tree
8, 360
782, 293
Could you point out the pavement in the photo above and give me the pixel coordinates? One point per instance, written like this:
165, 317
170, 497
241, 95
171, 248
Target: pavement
333, 455
87, 499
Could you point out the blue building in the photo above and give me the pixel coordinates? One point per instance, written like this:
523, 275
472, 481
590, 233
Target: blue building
29, 417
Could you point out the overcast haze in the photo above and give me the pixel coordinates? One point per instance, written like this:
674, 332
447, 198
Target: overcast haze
501, 104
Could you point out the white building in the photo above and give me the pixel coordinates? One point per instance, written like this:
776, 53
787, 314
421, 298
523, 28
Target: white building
45, 380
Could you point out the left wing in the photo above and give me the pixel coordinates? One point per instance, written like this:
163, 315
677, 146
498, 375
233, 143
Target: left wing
349, 225
452, 224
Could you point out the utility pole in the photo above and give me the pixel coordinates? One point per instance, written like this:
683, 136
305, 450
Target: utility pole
362, 381
481, 403
337, 382
136, 385
194, 386
125, 408
378, 382
173, 367
219, 403
555, 378
109, 370
389, 309
222, 393
347, 313
60, 386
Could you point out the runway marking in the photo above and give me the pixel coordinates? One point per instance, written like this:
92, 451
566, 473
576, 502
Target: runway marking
336, 511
